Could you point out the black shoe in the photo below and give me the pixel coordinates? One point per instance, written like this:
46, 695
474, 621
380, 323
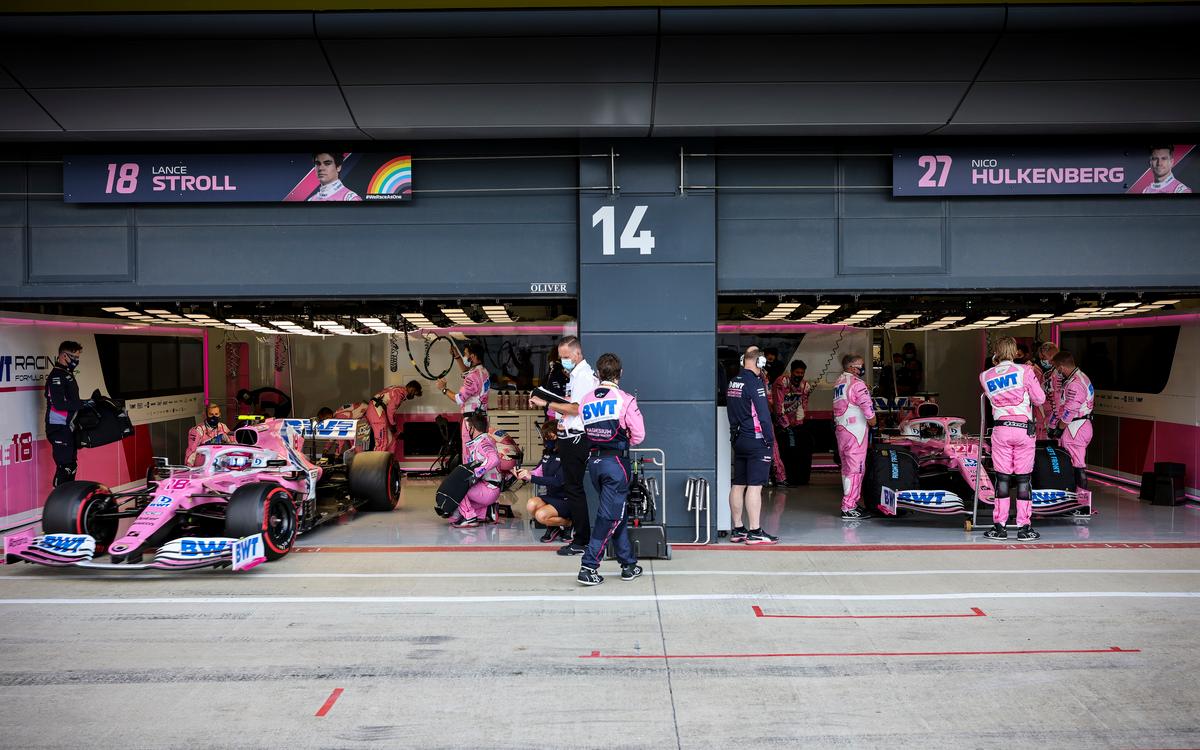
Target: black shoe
465, 523
491, 515
592, 577
1027, 534
854, 514
758, 536
553, 533
738, 535
629, 572
571, 549
996, 532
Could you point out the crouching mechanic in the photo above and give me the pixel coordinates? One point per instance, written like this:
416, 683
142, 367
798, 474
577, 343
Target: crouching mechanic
1013, 390
753, 440
211, 430
853, 415
613, 424
479, 502
552, 509
1072, 423
62, 403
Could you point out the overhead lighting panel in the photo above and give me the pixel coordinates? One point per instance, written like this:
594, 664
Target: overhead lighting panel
458, 315
117, 310
419, 320
497, 314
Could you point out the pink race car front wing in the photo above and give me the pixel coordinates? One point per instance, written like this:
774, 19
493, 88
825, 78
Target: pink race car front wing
186, 553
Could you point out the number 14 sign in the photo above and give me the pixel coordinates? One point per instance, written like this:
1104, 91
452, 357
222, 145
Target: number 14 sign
631, 238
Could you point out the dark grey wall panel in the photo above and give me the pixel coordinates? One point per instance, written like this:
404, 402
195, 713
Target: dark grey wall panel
829, 20
1114, 250
683, 430
67, 63
368, 260
1133, 207
671, 298
502, 61
879, 246
79, 253
660, 367
796, 58
21, 114
52, 213
783, 251
1056, 57
485, 23
774, 172
862, 176
1142, 104
12, 257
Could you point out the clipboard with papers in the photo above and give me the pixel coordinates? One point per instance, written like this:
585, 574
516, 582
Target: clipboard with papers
549, 396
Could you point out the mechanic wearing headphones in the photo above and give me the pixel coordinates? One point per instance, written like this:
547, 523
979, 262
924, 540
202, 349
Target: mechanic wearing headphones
1014, 390
1072, 421
62, 403
1051, 384
473, 395
753, 439
853, 414
572, 445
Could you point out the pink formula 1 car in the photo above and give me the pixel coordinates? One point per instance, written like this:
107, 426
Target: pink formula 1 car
931, 466
245, 498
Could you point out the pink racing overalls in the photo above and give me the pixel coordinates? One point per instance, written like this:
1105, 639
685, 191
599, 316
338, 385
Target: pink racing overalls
1075, 409
201, 434
852, 408
472, 397
789, 404
381, 415
1169, 185
1013, 390
486, 490
334, 191
1051, 385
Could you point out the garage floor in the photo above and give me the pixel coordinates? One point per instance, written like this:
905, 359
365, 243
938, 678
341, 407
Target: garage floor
346, 649
807, 516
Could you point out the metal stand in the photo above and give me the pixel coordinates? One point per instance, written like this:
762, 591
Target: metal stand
699, 497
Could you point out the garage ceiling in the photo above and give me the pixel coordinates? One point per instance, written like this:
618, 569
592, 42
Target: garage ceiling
600, 73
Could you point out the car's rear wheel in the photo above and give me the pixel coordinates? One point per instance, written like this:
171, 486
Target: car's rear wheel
267, 509
375, 477
78, 508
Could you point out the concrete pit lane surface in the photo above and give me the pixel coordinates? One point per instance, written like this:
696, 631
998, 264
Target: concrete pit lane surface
1059, 647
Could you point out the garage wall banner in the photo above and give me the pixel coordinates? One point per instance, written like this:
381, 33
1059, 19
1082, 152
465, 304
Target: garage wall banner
238, 178
1137, 170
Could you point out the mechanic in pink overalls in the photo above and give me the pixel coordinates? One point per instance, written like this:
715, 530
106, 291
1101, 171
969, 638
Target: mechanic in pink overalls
1051, 383
211, 429
480, 453
853, 415
473, 395
381, 413
1073, 415
1013, 390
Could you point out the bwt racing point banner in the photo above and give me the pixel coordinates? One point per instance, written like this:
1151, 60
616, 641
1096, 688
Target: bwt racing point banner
238, 178
1145, 170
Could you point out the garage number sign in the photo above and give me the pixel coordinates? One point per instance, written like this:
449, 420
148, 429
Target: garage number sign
318, 177
1149, 169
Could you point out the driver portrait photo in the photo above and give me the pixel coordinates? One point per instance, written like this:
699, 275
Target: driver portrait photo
1162, 162
329, 172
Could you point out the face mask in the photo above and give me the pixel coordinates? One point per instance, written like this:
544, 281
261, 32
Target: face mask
213, 421
549, 445
568, 365
761, 362
797, 381
72, 362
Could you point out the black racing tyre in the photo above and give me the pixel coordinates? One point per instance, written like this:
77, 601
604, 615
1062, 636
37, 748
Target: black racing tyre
267, 509
72, 508
375, 477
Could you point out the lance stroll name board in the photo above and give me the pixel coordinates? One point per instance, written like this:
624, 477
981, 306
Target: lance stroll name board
321, 176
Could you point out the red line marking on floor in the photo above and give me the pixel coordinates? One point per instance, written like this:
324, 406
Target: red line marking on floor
964, 547
1110, 650
975, 612
337, 693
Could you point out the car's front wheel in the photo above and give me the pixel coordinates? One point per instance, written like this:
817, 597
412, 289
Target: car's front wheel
267, 509
81, 508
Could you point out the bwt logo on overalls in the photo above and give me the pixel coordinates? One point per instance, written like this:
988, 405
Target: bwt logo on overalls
1002, 382
597, 409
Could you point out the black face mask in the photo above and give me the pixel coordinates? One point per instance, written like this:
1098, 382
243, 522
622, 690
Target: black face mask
213, 421
72, 362
549, 445
797, 381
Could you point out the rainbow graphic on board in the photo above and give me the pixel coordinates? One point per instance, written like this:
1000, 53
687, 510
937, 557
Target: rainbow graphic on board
393, 178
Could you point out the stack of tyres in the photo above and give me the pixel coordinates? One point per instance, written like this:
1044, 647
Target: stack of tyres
888, 466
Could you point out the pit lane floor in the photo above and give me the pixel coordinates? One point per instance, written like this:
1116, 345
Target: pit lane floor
936, 649
799, 515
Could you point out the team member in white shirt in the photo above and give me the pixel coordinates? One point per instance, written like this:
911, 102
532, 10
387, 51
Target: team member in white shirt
572, 446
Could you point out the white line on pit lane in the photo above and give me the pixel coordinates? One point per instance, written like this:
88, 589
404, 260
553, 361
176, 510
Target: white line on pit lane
207, 575
276, 600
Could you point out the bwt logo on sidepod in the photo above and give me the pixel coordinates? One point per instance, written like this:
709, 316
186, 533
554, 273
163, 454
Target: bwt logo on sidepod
24, 368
